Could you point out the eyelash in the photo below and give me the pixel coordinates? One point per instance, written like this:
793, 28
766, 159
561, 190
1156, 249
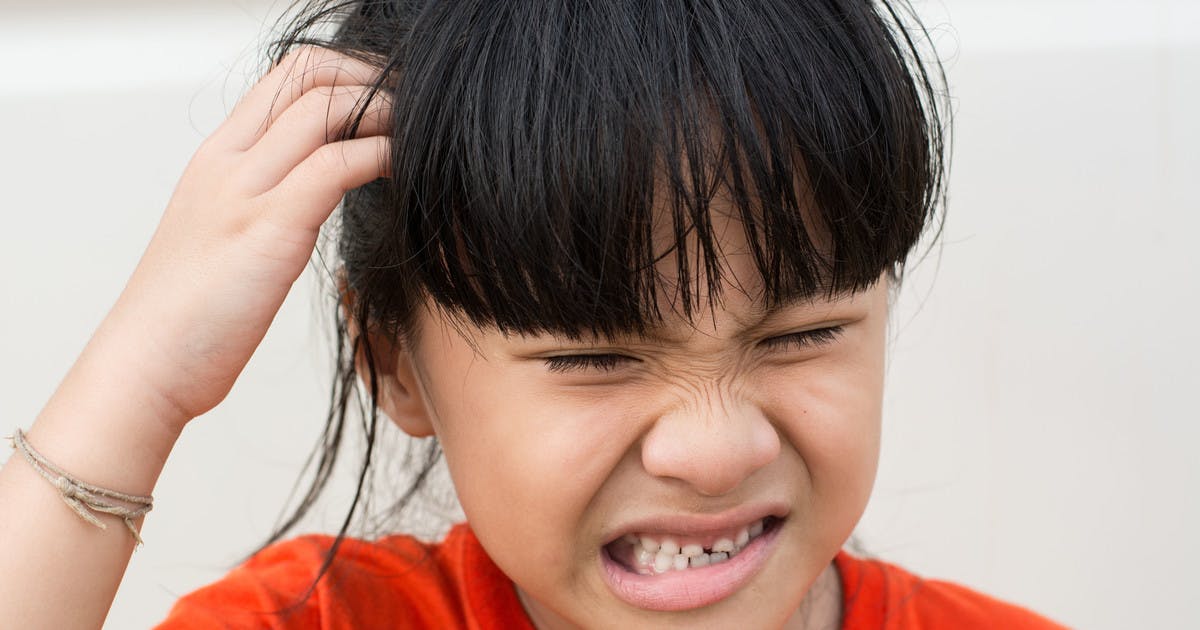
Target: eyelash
609, 362
581, 362
807, 339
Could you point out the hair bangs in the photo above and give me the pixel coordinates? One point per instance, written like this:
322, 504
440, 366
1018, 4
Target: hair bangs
547, 155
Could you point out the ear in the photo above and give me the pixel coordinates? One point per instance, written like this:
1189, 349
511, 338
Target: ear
399, 394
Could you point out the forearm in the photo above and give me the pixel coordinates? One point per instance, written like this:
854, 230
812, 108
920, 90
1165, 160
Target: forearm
238, 231
57, 570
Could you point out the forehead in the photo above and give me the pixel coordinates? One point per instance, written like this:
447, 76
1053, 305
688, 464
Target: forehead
735, 309
721, 269
722, 290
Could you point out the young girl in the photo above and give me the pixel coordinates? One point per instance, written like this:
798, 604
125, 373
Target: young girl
629, 264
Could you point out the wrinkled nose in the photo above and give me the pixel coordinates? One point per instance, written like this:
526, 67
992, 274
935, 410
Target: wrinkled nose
712, 445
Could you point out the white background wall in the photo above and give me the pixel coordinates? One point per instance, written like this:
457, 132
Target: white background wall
1041, 421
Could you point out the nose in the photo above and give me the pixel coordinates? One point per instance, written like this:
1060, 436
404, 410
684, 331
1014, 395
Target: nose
713, 445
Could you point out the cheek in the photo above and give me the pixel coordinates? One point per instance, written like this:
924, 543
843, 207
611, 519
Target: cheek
831, 415
526, 466
544, 449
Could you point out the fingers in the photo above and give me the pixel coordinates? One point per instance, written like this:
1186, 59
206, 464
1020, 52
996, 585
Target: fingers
310, 192
284, 126
315, 119
297, 73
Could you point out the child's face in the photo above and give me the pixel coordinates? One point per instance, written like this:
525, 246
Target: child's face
691, 435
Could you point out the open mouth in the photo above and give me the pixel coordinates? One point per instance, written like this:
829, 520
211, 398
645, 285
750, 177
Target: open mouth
665, 571
650, 554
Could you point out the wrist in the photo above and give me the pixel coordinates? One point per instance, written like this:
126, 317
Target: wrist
122, 369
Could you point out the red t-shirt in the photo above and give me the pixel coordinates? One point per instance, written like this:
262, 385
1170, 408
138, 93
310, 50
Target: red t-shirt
397, 582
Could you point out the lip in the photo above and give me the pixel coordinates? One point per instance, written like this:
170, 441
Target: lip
694, 588
700, 524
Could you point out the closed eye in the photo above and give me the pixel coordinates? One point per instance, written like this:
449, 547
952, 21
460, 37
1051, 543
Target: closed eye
584, 362
805, 340
607, 362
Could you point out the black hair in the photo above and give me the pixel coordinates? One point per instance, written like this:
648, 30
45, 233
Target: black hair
536, 144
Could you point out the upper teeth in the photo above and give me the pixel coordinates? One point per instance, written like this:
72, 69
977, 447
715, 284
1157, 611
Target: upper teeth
659, 555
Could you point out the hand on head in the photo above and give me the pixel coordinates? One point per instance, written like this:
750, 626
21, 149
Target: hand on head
243, 222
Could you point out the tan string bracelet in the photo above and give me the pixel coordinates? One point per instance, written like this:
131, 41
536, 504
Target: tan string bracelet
83, 496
